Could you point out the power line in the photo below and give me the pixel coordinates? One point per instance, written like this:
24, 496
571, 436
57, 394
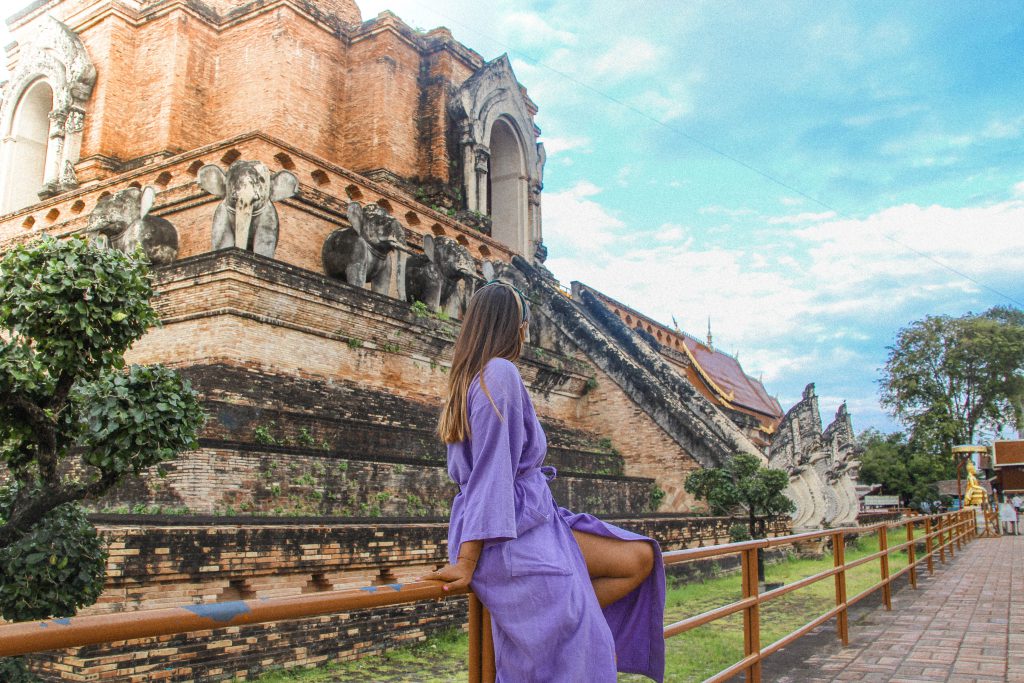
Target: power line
722, 153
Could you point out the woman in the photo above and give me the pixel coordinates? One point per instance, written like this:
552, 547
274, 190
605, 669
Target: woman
571, 598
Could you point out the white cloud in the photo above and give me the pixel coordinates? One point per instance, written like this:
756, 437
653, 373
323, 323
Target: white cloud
791, 201
909, 252
1018, 189
1002, 130
827, 306
663, 107
716, 209
624, 174
628, 56
531, 30
557, 145
575, 222
806, 217
673, 232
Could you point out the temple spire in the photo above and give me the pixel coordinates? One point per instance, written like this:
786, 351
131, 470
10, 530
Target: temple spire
709, 331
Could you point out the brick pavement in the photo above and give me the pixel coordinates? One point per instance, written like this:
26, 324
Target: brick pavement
960, 626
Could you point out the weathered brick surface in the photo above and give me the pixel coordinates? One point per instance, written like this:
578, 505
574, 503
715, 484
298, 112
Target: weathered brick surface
162, 562
175, 76
306, 219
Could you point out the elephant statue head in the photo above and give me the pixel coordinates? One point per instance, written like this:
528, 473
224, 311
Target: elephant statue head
247, 218
442, 276
122, 221
505, 272
450, 257
369, 251
377, 227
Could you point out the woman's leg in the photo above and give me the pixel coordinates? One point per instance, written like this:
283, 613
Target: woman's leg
615, 566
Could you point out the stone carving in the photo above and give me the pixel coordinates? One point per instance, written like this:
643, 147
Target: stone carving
490, 95
371, 250
122, 221
56, 56
843, 467
505, 272
75, 121
822, 465
443, 277
247, 218
69, 178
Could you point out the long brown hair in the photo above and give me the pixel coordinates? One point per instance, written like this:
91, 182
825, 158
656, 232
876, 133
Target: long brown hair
490, 329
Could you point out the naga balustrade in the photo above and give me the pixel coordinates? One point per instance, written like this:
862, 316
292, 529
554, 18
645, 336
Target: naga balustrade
943, 534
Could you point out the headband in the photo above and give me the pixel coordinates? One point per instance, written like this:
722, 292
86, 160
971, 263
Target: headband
523, 306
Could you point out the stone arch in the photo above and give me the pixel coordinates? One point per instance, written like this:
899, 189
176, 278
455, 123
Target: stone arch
54, 57
490, 108
506, 186
29, 140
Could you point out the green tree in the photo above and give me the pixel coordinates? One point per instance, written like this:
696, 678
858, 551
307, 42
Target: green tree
73, 420
950, 380
743, 486
892, 461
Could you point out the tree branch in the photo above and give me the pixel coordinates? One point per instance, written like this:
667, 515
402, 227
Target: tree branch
30, 506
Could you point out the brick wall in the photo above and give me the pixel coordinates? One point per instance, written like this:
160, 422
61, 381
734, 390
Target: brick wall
176, 76
162, 562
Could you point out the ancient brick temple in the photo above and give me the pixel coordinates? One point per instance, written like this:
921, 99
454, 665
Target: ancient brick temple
319, 195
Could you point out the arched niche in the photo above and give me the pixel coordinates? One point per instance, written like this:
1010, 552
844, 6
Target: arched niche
501, 161
507, 186
52, 65
29, 139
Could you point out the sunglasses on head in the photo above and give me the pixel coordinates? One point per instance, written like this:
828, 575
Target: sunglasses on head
522, 298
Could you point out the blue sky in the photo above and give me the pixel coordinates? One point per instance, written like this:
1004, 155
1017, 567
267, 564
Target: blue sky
812, 176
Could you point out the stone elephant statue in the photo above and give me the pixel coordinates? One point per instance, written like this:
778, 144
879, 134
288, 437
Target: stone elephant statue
247, 218
443, 277
369, 251
122, 221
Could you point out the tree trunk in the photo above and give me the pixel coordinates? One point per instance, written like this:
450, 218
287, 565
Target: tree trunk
752, 526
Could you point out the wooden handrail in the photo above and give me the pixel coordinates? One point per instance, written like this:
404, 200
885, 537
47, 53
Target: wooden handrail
941, 533
952, 528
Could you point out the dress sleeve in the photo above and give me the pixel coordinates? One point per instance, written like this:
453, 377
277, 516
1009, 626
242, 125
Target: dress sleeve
496, 445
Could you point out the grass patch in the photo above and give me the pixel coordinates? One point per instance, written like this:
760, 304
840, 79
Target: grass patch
692, 656
439, 659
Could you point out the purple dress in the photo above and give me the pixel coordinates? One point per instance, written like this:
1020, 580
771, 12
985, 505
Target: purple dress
548, 626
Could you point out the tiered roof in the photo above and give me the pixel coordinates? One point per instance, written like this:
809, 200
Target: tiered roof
718, 375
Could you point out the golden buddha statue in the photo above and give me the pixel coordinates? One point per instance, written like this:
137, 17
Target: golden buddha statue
975, 494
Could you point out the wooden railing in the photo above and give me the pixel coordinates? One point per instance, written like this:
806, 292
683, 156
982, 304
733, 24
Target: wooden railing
943, 534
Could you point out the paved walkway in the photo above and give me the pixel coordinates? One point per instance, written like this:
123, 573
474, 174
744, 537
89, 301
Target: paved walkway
964, 624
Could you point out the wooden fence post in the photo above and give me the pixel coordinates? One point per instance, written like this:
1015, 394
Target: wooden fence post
751, 615
911, 554
488, 672
475, 636
942, 539
883, 545
839, 560
928, 544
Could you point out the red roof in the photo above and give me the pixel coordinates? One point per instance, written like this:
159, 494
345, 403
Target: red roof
736, 386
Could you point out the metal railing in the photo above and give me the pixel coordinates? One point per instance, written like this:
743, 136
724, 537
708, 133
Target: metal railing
942, 534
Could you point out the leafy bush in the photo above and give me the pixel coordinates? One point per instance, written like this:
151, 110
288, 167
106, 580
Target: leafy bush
13, 670
738, 532
73, 420
55, 569
656, 495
